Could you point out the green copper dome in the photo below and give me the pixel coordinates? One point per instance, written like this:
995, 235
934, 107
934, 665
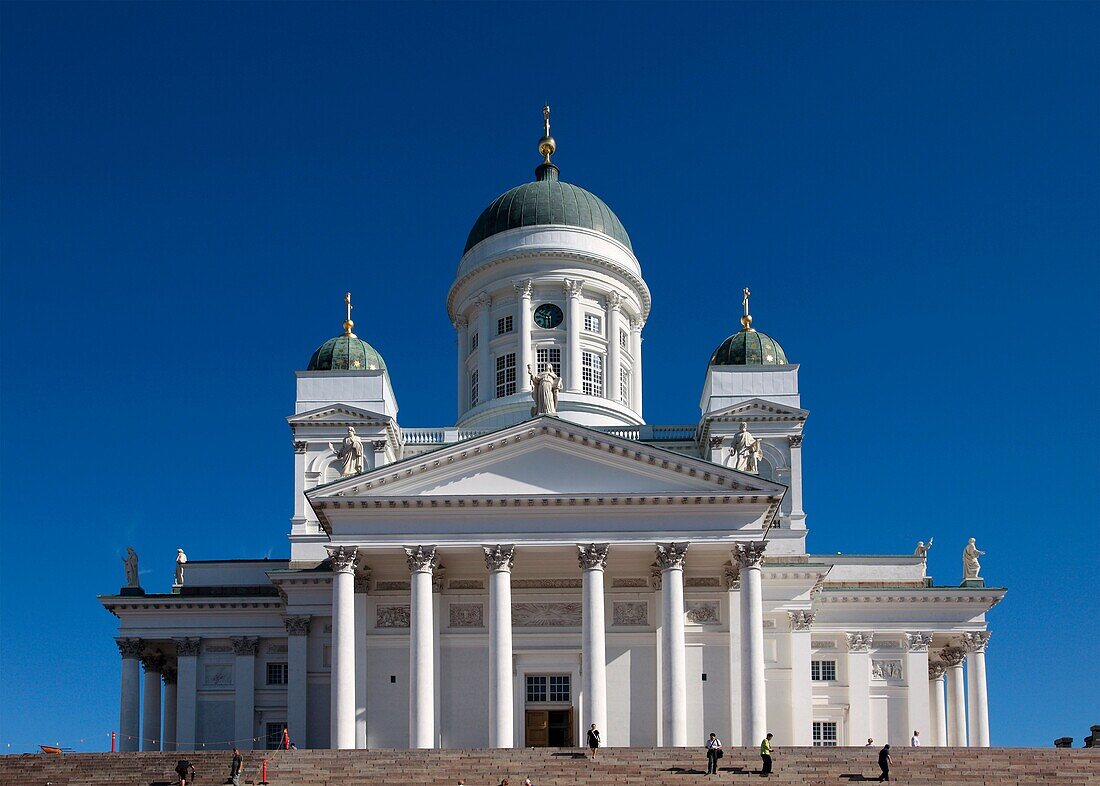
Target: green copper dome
546, 201
749, 347
346, 353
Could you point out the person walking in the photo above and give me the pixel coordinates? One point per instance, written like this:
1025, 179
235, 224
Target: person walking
915, 742
714, 753
185, 771
884, 762
235, 768
593, 740
766, 755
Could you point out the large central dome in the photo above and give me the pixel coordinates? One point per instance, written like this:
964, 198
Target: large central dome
546, 201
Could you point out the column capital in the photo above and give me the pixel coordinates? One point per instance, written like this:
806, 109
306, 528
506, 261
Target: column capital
484, 299
130, 648
593, 556
732, 575
750, 554
187, 648
362, 579
300, 446
919, 641
614, 301
524, 287
297, 625
801, 619
168, 675
936, 670
153, 661
860, 641
246, 645
976, 641
343, 558
795, 440
572, 287
953, 656
636, 324
420, 558
499, 557
670, 556
460, 322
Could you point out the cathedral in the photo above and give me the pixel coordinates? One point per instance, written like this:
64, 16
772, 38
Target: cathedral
551, 560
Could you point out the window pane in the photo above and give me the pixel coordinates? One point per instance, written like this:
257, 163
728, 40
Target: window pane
506, 375
551, 355
592, 373
473, 388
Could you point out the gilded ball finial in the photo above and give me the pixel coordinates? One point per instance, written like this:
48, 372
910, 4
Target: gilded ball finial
348, 324
746, 319
547, 145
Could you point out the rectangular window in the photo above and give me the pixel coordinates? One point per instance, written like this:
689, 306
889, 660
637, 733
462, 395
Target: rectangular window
536, 689
822, 670
277, 673
506, 375
622, 339
593, 324
473, 388
824, 734
273, 736
624, 387
559, 688
473, 342
551, 355
504, 325
592, 374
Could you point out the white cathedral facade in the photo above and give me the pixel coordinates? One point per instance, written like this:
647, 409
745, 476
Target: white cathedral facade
546, 564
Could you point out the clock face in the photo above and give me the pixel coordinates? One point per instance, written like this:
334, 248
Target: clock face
548, 316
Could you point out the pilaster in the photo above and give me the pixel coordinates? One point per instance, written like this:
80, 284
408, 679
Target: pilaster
129, 716
187, 687
802, 697
859, 687
297, 689
244, 689
978, 699
916, 683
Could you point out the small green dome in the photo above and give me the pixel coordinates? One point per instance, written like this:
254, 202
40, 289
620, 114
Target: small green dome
749, 348
346, 353
546, 201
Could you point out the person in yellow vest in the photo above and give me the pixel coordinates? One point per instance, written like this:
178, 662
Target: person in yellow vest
766, 755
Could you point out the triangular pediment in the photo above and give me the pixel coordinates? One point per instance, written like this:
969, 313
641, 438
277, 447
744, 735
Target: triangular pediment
758, 409
548, 457
338, 415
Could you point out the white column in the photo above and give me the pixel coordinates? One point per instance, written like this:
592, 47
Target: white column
129, 714
754, 709
150, 725
462, 341
187, 691
168, 675
953, 658
733, 616
342, 734
300, 447
802, 697
526, 355
362, 585
859, 687
297, 689
977, 697
573, 327
498, 561
795, 443
670, 559
614, 349
937, 707
421, 561
439, 578
636, 326
916, 685
592, 560
244, 690
486, 377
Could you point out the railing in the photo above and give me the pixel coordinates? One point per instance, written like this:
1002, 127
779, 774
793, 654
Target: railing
645, 433
438, 436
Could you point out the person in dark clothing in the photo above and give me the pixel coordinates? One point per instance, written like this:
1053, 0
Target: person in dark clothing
884, 763
593, 740
766, 755
185, 771
236, 767
714, 753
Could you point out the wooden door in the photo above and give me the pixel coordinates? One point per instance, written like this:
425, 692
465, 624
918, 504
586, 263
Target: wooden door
538, 729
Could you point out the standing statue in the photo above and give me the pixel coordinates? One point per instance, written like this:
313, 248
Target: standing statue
746, 451
544, 390
922, 550
351, 453
181, 560
970, 560
130, 563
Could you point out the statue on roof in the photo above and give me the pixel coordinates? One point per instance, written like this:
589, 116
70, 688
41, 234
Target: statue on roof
130, 564
181, 560
970, 561
351, 453
544, 390
746, 451
922, 550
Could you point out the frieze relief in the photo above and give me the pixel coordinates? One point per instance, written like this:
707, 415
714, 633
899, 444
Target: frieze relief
547, 583
702, 612
467, 615
546, 615
466, 584
391, 617
823, 645
277, 649
702, 581
630, 582
391, 585
215, 649
630, 613
886, 670
218, 675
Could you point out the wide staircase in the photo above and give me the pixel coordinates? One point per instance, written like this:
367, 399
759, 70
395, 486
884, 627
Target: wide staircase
556, 767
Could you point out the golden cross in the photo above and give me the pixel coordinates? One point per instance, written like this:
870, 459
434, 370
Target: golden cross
546, 120
348, 324
746, 320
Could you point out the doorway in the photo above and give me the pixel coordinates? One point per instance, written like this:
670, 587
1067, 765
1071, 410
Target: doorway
549, 729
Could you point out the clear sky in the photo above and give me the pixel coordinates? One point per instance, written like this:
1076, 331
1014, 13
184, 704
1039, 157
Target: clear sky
910, 190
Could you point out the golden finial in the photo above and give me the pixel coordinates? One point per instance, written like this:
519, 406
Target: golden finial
547, 145
746, 320
348, 324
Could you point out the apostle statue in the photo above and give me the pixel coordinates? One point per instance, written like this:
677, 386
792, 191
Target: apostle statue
922, 550
181, 560
544, 390
351, 453
970, 560
130, 563
746, 451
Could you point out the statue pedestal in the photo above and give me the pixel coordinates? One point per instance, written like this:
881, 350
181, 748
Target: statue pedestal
973, 583
131, 592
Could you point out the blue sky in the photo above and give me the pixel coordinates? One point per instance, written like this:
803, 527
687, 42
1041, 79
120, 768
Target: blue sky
910, 190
